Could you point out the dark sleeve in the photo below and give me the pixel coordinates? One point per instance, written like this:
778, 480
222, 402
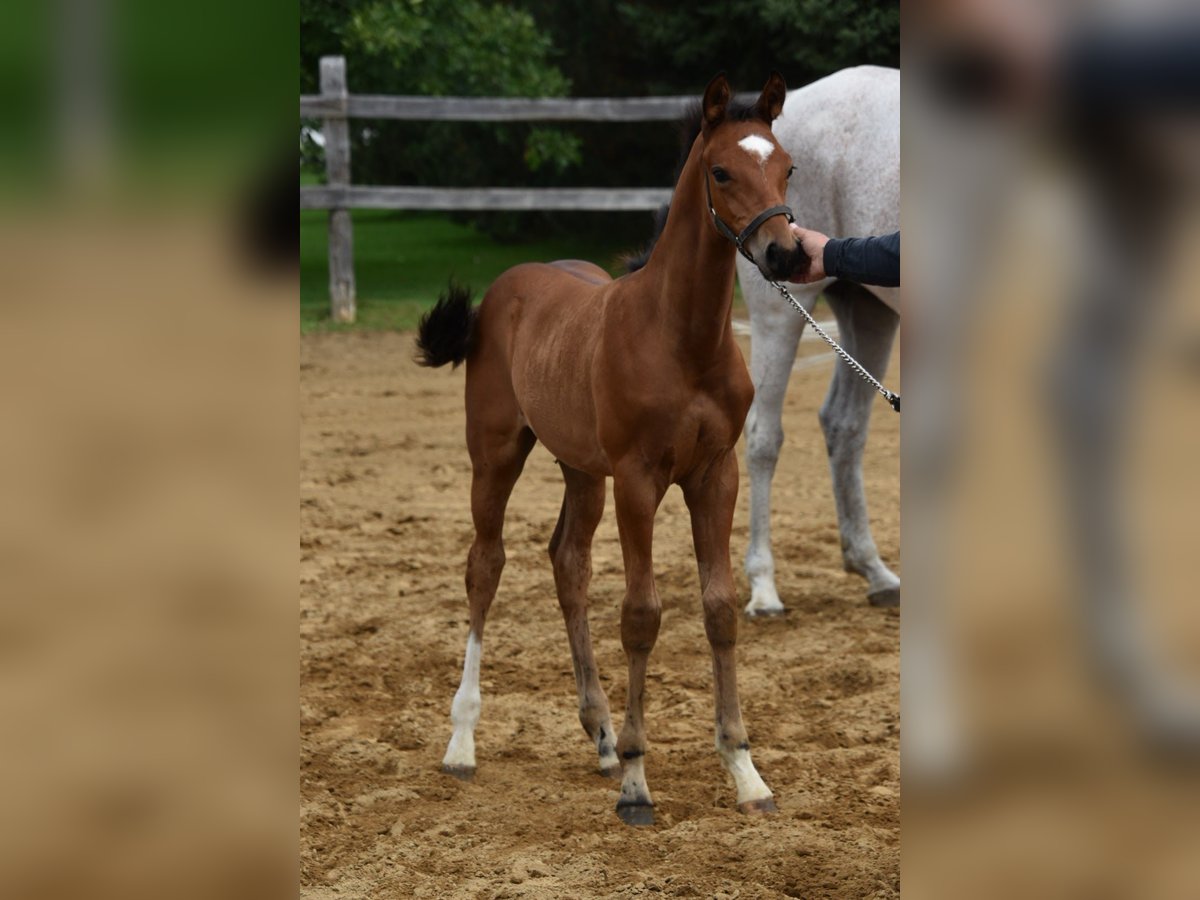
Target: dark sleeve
869, 260
1151, 69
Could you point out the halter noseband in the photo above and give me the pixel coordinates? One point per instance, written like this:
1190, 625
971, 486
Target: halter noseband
739, 240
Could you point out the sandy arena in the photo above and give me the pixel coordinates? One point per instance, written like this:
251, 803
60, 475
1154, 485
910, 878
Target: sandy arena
385, 528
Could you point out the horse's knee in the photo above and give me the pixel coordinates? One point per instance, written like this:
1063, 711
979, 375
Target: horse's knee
764, 439
721, 618
641, 614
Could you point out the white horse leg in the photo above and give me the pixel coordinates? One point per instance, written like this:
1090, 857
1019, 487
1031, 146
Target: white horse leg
464, 714
775, 330
1092, 379
867, 329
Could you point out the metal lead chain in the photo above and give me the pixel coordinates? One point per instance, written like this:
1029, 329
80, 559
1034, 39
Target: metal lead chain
893, 399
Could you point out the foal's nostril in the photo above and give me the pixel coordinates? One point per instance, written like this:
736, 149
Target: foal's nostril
774, 255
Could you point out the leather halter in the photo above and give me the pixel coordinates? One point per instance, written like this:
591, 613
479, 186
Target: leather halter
739, 240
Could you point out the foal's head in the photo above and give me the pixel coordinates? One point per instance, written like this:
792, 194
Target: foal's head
747, 173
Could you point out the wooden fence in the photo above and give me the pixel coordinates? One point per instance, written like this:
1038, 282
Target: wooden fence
336, 106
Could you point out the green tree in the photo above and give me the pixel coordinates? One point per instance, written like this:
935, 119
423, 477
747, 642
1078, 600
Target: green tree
803, 39
619, 48
442, 47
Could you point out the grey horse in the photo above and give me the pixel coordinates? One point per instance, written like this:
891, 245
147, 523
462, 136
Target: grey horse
843, 134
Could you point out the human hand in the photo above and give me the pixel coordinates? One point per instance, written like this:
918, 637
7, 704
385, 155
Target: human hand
813, 243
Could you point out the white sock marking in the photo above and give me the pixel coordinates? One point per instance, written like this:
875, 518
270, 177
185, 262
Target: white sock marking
757, 146
763, 596
464, 711
750, 785
633, 781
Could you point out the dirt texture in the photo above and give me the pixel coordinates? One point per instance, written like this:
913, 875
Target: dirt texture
385, 528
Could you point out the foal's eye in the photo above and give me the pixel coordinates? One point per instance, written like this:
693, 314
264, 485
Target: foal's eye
720, 175
790, 171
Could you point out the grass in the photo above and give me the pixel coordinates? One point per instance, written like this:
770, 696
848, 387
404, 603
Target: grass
402, 261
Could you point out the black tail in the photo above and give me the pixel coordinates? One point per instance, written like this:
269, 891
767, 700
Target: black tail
446, 332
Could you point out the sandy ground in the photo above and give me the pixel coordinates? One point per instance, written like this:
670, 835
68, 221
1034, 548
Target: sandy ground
385, 528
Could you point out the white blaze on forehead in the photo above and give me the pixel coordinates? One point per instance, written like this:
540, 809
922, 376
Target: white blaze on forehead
757, 146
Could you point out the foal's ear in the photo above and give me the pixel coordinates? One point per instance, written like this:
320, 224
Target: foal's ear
770, 101
716, 98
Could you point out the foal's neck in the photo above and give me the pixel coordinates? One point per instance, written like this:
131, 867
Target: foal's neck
693, 268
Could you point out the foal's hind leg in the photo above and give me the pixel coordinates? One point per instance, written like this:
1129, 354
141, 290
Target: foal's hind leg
571, 553
868, 328
711, 498
497, 462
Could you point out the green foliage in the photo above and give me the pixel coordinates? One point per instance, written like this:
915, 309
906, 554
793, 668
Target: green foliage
547, 147
803, 39
463, 47
443, 47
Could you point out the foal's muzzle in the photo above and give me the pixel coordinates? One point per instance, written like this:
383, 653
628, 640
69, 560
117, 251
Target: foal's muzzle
782, 264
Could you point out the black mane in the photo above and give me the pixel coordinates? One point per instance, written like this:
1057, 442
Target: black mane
689, 130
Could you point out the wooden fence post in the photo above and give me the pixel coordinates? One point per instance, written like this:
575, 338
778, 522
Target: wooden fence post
337, 174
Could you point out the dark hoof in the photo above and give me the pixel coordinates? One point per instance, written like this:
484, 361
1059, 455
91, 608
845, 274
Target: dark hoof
887, 598
636, 813
758, 807
611, 771
462, 773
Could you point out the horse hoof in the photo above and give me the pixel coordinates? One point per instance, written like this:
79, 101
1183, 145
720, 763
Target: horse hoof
636, 813
886, 598
765, 613
613, 771
462, 773
758, 807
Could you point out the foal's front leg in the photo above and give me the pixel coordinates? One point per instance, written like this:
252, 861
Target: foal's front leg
711, 497
637, 493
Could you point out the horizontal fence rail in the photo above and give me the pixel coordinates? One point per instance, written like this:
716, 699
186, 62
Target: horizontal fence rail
588, 199
496, 109
336, 106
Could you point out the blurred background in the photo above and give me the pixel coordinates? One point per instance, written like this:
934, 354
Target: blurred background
148, 452
1051, 635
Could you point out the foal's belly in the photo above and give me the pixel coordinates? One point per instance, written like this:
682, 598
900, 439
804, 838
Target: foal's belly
567, 429
552, 373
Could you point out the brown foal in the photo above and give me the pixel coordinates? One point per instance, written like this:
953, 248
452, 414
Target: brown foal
638, 379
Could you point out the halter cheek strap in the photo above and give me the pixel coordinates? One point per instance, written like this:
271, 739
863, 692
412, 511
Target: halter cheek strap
739, 240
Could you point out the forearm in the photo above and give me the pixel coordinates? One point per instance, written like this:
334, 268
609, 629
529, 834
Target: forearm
870, 260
